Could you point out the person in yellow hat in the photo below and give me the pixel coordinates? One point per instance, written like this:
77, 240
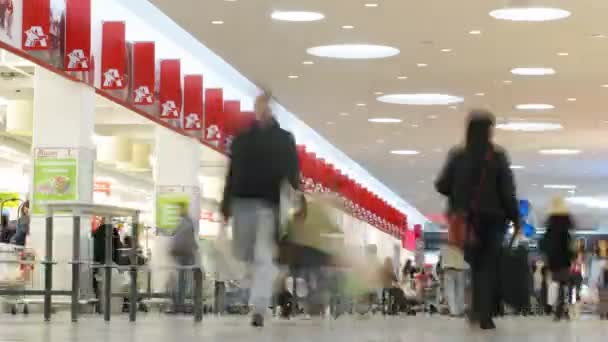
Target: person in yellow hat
556, 245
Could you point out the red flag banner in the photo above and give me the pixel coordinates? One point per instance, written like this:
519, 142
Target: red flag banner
77, 35
144, 73
229, 122
214, 107
170, 89
36, 24
113, 55
193, 103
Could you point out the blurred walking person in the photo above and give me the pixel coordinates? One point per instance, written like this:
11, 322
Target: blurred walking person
263, 160
556, 245
184, 249
478, 182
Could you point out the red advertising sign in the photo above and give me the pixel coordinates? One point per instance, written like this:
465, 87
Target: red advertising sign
102, 187
113, 55
214, 107
170, 89
77, 35
36, 24
230, 122
193, 103
144, 72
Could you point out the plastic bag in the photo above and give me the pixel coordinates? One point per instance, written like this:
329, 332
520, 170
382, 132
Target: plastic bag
552, 293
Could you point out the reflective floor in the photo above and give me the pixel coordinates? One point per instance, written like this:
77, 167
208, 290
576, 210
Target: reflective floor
162, 328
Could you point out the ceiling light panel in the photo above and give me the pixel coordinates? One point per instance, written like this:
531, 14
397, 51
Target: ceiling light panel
405, 152
354, 51
529, 126
421, 99
534, 106
385, 120
560, 186
560, 151
297, 16
536, 71
535, 14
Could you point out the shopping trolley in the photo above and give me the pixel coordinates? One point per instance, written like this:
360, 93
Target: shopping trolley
16, 268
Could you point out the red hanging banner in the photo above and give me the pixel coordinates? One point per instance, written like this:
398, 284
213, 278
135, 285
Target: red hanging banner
193, 103
214, 107
230, 122
144, 73
170, 89
36, 24
77, 35
113, 55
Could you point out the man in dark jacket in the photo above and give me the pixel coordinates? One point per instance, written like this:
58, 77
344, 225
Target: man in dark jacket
263, 159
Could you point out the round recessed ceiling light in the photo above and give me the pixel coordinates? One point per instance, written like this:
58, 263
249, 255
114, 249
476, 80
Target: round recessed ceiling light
422, 65
361, 104
378, 93
604, 85
371, 5
571, 99
563, 54
560, 151
354, 51
308, 62
385, 120
517, 167
402, 77
507, 81
475, 32
297, 16
217, 22
348, 27
421, 99
533, 71
446, 50
293, 77
405, 152
480, 94
534, 106
530, 14
530, 126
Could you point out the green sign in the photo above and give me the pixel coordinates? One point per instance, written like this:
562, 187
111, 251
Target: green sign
55, 178
168, 207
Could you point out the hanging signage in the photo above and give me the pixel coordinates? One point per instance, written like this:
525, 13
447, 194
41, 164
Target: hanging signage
113, 55
55, 176
232, 111
214, 106
170, 89
78, 35
36, 25
193, 103
144, 73
103, 187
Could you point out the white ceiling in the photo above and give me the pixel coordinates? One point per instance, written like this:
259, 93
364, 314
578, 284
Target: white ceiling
268, 51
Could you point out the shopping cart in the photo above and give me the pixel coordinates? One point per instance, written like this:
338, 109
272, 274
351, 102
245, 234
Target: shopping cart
16, 268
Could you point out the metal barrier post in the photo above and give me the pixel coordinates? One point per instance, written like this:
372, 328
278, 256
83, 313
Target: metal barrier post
75, 266
107, 290
133, 270
197, 296
48, 265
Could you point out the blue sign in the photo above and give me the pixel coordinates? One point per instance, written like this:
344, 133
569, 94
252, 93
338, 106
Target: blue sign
524, 211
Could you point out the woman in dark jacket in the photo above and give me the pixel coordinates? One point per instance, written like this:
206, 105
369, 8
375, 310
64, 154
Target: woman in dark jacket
479, 185
557, 247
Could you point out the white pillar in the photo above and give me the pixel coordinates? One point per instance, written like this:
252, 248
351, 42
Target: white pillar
64, 113
176, 169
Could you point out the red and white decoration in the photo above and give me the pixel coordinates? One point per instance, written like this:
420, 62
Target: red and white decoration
193, 103
78, 35
144, 73
36, 25
214, 107
113, 55
170, 89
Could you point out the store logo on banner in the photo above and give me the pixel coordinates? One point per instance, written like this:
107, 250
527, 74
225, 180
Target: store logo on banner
169, 110
36, 38
143, 95
192, 121
77, 60
113, 79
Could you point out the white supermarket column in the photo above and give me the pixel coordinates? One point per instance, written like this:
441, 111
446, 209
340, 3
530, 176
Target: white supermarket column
176, 173
64, 116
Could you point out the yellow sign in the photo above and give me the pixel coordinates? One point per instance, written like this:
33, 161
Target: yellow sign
5, 198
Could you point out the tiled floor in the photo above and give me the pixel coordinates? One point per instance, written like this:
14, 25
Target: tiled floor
155, 328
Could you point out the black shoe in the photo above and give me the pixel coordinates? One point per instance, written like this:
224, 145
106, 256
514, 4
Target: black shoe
488, 325
257, 321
